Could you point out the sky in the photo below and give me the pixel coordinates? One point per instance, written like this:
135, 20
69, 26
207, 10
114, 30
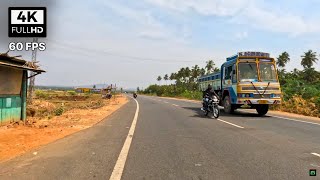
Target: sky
130, 43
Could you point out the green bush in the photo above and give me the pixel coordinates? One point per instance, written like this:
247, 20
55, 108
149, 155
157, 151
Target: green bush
310, 91
59, 111
173, 91
72, 93
41, 94
196, 95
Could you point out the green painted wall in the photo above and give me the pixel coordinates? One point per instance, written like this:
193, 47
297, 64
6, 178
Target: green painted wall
10, 108
13, 107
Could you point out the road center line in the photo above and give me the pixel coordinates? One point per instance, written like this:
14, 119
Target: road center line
230, 123
296, 120
175, 105
316, 154
118, 168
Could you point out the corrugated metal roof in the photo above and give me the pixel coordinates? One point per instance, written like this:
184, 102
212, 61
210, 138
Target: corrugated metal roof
14, 62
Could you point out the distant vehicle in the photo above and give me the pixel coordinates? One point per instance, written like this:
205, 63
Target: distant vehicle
212, 107
246, 80
135, 95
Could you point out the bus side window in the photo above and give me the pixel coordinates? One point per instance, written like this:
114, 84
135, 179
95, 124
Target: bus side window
234, 78
228, 73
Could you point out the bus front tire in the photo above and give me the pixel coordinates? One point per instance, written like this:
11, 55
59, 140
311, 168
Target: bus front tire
228, 108
262, 109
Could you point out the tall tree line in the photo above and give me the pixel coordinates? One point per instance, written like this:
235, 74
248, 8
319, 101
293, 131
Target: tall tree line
188, 76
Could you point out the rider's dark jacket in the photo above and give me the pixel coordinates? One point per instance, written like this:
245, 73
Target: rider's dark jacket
209, 92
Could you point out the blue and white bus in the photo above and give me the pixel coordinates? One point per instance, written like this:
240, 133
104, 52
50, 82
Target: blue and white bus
246, 80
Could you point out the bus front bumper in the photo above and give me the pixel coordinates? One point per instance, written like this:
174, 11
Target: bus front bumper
259, 101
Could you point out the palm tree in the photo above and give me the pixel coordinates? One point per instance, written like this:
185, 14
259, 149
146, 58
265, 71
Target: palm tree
187, 73
166, 77
311, 75
308, 59
159, 79
172, 76
202, 71
195, 72
209, 66
180, 74
283, 59
215, 70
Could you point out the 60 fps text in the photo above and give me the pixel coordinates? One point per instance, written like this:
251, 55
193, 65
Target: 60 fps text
20, 46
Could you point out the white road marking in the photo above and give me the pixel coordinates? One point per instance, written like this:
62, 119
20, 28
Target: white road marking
175, 105
118, 168
316, 154
296, 120
314, 165
230, 123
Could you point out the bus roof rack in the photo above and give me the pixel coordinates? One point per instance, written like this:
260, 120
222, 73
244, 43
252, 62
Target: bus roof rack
253, 53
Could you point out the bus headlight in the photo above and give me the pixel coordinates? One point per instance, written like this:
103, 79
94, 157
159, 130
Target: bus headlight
245, 95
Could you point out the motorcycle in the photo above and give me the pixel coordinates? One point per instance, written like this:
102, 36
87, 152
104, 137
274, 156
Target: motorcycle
135, 95
212, 107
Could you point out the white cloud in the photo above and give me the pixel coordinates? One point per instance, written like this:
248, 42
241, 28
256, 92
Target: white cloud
241, 35
143, 22
205, 7
253, 13
274, 21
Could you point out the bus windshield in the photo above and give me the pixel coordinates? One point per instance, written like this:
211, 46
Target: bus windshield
267, 72
248, 72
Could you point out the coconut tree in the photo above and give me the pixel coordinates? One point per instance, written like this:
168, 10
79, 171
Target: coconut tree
187, 73
172, 76
195, 72
215, 70
202, 71
308, 59
166, 77
181, 75
209, 66
159, 79
283, 59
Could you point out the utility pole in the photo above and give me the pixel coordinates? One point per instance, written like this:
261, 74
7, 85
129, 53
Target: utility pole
32, 79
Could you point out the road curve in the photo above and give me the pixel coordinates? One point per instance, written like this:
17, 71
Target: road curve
173, 140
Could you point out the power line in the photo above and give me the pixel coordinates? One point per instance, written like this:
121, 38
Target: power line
117, 54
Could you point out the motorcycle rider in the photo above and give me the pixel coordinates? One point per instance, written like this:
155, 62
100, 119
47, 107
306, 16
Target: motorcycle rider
208, 94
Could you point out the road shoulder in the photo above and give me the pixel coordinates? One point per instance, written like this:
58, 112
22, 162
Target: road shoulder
21, 139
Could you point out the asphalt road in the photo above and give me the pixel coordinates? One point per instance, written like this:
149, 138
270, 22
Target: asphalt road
171, 139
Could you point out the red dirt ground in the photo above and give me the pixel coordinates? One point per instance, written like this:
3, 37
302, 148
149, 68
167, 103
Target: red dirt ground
18, 139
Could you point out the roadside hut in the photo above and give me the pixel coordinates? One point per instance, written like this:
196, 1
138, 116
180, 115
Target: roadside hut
13, 87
